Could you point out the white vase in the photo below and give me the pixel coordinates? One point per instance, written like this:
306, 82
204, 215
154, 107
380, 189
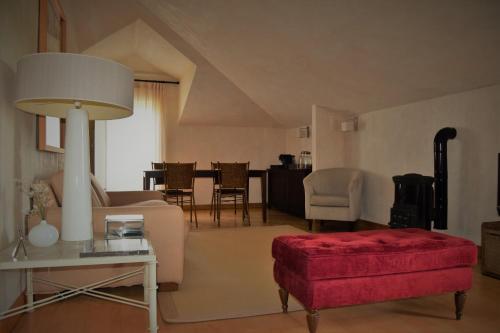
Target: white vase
43, 234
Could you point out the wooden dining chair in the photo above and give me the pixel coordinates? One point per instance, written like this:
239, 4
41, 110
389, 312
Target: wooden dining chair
233, 185
180, 186
158, 181
215, 185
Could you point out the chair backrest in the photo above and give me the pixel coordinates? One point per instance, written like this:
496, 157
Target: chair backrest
233, 175
158, 166
333, 181
180, 175
214, 166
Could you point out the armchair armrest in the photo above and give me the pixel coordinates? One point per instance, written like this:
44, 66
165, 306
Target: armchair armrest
355, 189
308, 191
123, 198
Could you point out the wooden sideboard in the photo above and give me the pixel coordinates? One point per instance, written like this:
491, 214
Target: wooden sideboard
286, 190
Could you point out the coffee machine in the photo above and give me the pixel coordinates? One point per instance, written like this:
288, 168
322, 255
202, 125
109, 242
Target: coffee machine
287, 160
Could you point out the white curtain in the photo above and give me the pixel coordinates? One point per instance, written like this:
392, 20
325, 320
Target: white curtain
133, 143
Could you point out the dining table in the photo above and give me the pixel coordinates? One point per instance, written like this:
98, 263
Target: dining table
149, 175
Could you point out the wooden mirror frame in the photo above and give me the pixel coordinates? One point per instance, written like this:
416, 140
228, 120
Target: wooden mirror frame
43, 21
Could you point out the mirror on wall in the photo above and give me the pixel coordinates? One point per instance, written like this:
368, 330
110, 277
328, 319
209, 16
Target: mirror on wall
51, 38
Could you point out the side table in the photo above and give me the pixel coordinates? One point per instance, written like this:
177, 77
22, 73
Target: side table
67, 254
490, 249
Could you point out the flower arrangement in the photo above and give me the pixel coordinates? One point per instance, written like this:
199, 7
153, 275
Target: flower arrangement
41, 199
40, 196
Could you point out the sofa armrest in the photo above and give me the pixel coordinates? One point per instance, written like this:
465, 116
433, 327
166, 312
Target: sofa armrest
164, 225
123, 198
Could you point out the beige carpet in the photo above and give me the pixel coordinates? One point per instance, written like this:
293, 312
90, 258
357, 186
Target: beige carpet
227, 274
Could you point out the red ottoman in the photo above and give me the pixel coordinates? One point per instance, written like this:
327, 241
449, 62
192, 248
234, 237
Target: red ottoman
333, 270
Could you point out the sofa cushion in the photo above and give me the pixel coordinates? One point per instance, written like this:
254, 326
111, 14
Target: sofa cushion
370, 253
96, 202
57, 184
101, 193
329, 200
148, 203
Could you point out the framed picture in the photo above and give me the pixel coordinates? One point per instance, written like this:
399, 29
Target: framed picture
51, 38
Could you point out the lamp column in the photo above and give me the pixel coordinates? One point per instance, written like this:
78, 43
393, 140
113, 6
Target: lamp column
77, 204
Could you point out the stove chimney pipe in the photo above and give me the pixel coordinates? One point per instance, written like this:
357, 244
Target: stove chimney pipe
441, 176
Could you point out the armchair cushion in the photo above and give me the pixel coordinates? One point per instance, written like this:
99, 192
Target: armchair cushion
329, 200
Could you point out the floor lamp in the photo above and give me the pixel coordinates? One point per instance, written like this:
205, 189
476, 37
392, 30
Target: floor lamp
78, 88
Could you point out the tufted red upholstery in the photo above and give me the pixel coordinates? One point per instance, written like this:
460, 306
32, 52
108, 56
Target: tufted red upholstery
371, 253
330, 293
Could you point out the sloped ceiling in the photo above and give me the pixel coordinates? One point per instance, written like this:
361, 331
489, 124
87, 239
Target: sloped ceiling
141, 48
127, 32
265, 59
349, 55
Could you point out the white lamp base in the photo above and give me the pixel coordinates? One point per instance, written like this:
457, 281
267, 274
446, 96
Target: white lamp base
77, 204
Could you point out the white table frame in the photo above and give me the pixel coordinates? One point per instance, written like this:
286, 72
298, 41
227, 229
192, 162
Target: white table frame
66, 254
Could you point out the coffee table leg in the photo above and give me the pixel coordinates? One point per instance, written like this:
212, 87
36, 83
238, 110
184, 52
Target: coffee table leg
145, 283
29, 288
153, 327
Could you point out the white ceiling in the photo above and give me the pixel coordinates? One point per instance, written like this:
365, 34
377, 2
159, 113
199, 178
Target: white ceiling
280, 57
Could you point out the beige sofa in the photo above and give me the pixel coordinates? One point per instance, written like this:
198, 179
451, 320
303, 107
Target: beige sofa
164, 224
333, 194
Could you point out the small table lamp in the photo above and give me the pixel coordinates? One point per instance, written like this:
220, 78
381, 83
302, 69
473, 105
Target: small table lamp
78, 88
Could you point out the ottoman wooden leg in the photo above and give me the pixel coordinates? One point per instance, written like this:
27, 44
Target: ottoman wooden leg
460, 297
284, 299
312, 320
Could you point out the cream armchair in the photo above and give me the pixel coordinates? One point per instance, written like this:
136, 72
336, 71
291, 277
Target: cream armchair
333, 194
164, 223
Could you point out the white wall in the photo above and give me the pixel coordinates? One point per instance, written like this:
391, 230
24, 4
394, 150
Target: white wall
294, 144
259, 145
399, 140
19, 157
328, 141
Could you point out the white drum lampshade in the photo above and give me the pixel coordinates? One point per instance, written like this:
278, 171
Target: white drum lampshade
78, 88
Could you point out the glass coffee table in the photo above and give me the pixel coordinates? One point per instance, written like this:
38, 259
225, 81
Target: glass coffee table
76, 254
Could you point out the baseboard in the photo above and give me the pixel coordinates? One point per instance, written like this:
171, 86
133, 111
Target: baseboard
8, 325
224, 206
369, 225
